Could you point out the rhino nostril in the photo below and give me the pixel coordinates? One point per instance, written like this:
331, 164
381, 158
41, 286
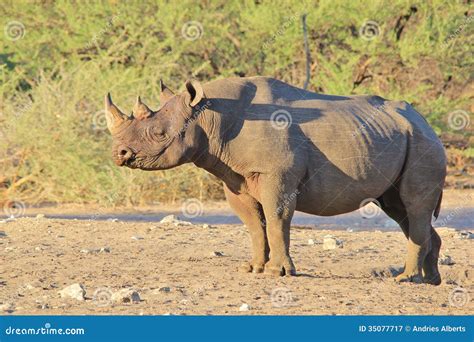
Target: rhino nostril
125, 153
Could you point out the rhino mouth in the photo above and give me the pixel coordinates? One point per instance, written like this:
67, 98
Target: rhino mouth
147, 163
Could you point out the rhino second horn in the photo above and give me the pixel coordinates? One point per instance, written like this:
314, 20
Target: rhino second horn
141, 110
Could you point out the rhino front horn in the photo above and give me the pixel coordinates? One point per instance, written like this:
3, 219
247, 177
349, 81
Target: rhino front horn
113, 114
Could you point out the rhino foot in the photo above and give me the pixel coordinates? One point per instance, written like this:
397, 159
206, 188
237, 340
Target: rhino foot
280, 269
252, 267
407, 277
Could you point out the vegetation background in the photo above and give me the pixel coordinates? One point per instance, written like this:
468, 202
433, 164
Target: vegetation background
58, 60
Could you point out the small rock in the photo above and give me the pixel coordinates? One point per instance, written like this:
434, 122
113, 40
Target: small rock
95, 250
2, 234
217, 254
311, 242
166, 289
350, 230
126, 296
205, 226
445, 260
465, 235
244, 307
136, 237
169, 219
331, 242
112, 219
9, 249
7, 307
40, 216
173, 219
75, 291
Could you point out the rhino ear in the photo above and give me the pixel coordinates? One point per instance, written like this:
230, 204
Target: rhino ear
195, 91
113, 114
141, 110
165, 94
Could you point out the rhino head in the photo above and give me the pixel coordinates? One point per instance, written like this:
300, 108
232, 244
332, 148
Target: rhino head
156, 140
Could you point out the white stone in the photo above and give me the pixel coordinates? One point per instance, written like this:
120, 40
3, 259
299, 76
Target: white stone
244, 307
311, 242
445, 260
126, 296
75, 291
330, 242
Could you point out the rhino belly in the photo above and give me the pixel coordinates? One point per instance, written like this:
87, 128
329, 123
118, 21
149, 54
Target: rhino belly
340, 178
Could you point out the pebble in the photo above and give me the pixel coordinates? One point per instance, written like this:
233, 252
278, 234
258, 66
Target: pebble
7, 307
466, 235
331, 242
126, 296
3, 234
244, 307
95, 250
112, 219
445, 260
136, 237
165, 289
174, 220
311, 242
217, 254
75, 291
40, 216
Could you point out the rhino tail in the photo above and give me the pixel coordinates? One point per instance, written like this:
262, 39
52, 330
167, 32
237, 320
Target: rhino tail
438, 206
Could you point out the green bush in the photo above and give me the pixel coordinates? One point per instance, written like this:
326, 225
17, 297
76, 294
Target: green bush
53, 146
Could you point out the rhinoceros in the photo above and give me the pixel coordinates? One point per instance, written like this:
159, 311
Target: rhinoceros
278, 148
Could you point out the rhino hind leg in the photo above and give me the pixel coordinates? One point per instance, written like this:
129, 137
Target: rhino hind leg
251, 214
423, 247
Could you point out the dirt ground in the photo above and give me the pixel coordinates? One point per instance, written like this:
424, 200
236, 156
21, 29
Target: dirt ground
192, 269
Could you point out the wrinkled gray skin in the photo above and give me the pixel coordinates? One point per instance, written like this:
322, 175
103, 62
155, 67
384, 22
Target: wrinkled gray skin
278, 149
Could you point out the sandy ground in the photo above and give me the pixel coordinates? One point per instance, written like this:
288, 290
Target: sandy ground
192, 270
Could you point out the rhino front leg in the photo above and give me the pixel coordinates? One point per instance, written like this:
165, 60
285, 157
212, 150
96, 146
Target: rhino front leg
251, 213
278, 198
